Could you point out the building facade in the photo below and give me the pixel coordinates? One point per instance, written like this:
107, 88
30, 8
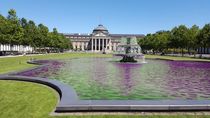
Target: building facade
15, 49
100, 40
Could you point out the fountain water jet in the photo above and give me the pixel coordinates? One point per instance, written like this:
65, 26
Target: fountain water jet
129, 50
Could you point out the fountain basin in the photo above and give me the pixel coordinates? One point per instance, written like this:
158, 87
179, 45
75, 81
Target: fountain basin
105, 79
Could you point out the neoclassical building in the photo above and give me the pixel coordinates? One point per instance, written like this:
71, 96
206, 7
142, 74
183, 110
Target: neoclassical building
100, 40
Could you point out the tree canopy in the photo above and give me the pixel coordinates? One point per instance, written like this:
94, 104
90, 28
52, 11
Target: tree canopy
180, 39
20, 31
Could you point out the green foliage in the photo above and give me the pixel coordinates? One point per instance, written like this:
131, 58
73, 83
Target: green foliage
204, 36
15, 31
179, 40
155, 42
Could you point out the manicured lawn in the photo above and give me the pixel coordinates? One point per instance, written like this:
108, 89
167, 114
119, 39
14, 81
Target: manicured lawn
29, 100
175, 58
25, 100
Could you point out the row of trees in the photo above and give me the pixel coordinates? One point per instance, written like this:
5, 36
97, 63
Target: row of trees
15, 31
180, 39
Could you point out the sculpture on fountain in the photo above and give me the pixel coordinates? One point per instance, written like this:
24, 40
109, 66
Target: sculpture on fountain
129, 50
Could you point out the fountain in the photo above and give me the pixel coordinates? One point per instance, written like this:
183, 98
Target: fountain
129, 50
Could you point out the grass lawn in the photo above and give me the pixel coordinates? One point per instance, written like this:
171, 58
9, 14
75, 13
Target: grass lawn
29, 100
175, 58
25, 100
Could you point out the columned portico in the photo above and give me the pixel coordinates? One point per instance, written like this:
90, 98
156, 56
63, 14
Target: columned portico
100, 44
98, 41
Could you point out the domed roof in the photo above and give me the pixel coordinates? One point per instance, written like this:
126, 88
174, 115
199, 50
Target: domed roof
100, 30
100, 27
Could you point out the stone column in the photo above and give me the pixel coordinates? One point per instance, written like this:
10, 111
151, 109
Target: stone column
115, 46
86, 45
75, 45
102, 44
99, 44
113, 49
82, 45
106, 42
110, 45
92, 45
78, 45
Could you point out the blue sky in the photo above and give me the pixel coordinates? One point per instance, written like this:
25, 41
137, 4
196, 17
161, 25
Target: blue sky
119, 16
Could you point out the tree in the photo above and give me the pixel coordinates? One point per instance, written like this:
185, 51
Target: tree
12, 15
192, 38
178, 38
41, 39
26, 37
162, 38
32, 33
204, 37
59, 41
14, 30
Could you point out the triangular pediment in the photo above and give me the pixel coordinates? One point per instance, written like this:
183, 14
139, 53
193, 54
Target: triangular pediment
100, 34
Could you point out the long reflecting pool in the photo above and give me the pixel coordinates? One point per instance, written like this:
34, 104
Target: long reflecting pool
104, 79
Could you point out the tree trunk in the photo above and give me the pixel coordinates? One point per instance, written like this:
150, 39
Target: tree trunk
194, 53
174, 52
204, 49
182, 52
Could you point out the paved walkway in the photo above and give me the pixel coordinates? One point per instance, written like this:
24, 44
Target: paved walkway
23, 55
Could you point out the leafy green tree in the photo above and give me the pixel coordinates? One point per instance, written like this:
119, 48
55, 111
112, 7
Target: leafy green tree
54, 39
204, 37
192, 39
179, 37
162, 38
43, 30
41, 39
3, 30
26, 37
58, 41
15, 31
12, 16
31, 33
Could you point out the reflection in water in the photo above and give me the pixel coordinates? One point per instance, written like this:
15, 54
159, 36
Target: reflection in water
126, 73
188, 80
